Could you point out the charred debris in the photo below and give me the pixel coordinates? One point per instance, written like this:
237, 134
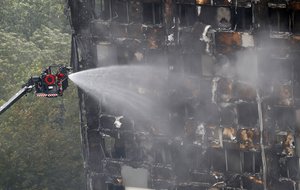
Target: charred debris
242, 134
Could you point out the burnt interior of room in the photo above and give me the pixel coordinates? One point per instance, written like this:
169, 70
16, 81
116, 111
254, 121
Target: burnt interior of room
279, 19
187, 14
247, 115
102, 9
152, 13
234, 18
243, 19
120, 11
295, 24
215, 129
220, 17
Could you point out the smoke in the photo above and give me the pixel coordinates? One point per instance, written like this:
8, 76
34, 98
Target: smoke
135, 177
139, 92
243, 67
180, 105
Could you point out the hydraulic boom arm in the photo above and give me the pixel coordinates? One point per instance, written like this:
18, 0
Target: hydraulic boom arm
51, 83
15, 98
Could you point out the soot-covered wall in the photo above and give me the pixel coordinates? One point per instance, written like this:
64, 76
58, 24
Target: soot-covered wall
239, 126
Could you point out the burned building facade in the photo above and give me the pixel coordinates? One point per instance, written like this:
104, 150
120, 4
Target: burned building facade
247, 56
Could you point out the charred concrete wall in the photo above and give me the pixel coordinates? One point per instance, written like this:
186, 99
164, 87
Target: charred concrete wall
247, 54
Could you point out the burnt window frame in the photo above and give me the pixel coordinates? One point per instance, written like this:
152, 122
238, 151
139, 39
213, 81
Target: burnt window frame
98, 4
212, 10
240, 24
246, 120
154, 20
108, 12
115, 17
236, 23
294, 21
186, 7
251, 162
275, 25
111, 186
105, 12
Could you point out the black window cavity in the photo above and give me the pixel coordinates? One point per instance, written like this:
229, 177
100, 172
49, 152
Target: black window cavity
152, 13
98, 8
102, 9
120, 11
217, 17
187, 14
295, 22
279, 19
111, 186
247, 115
243, 18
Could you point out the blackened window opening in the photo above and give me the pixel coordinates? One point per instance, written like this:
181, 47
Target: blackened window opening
152, 13
279, 20
247, 115
251, 162
218, 161
114, 146
98, 7
243, 18
119, 149
111, 186
220, 17
295, 22
232, 160
120, 11
187, 14
102, 9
